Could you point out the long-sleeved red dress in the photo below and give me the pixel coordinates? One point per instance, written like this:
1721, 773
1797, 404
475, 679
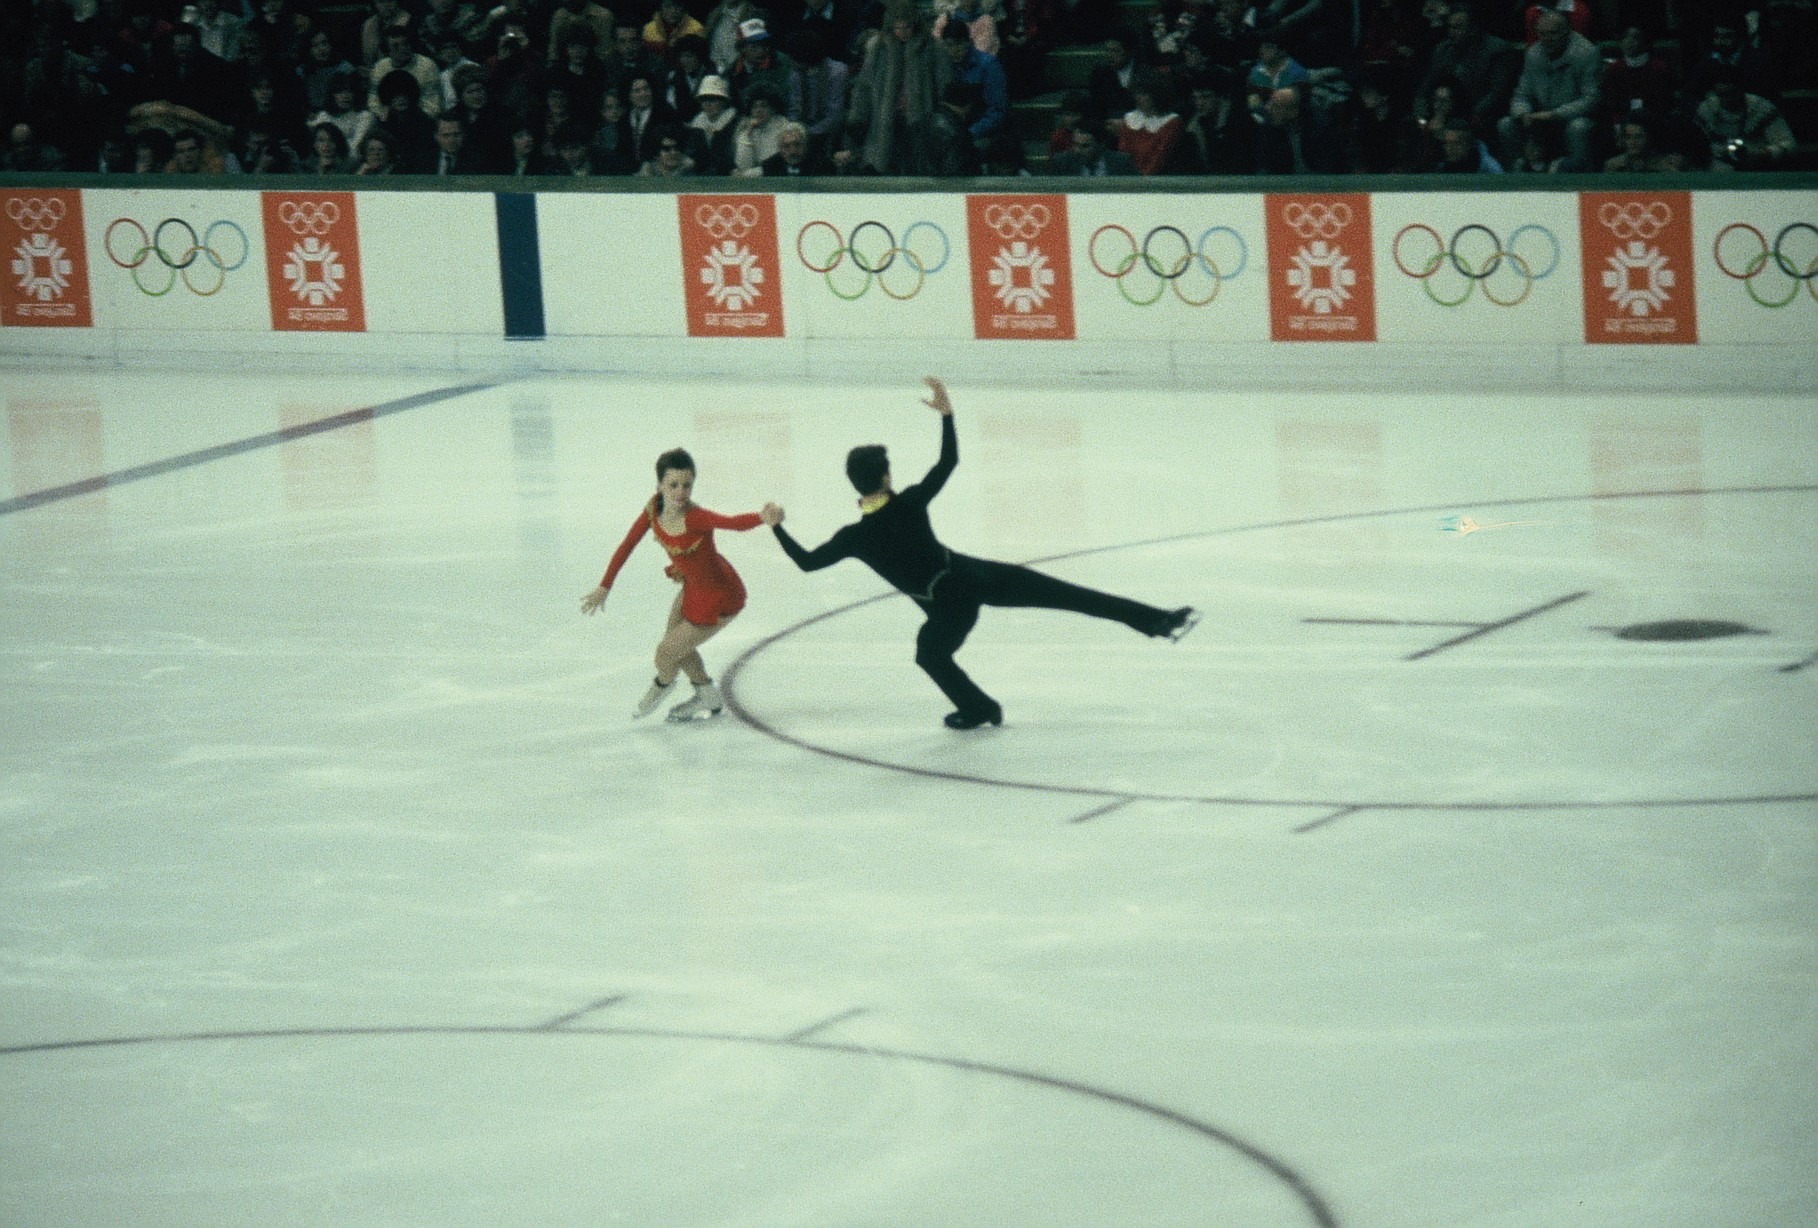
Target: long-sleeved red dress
711, 590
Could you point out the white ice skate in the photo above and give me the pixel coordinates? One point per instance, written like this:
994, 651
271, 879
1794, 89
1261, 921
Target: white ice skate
704, 703
652, 698
1182, 621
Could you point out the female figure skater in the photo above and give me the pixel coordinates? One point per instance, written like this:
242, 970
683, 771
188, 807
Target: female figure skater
711, 595
895, 538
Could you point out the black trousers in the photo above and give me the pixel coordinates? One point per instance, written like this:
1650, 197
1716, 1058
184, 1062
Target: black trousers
971, 583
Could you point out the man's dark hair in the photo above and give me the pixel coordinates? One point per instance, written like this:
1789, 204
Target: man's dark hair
866, 466
399, 84
955, 32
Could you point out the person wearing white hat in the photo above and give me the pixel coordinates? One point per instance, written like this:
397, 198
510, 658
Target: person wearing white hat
713, 129
759, 64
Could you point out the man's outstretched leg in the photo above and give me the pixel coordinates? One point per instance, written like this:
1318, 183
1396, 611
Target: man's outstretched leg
1005, 584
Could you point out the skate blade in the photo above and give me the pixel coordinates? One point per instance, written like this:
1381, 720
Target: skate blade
683, 718
1180, 632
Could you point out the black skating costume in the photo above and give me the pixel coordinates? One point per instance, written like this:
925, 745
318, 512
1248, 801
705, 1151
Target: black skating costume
895, 539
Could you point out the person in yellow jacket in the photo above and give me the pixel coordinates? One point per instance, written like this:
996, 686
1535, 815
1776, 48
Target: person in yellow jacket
671, 22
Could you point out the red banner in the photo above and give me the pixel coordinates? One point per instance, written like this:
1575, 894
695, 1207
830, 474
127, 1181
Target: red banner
47, 264
1638, 285
731, 279
1022, 268
312, 262
1322, 284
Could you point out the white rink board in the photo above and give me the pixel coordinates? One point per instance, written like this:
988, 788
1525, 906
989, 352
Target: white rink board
613, 290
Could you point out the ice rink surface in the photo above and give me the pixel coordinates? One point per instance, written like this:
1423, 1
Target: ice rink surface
1461, 868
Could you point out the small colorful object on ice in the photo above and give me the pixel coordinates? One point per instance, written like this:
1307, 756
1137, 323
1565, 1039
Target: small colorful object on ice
1464, 524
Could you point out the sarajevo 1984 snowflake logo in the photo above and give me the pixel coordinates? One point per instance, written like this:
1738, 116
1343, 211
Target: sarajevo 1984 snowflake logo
315, 271
1649, 264
732, 275
1322, 277
1021, 276
42, 266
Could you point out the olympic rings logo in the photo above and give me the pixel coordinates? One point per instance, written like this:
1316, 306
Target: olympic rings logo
1167, 254
873, 250
1800, 268
1476, 254
1317, 220
179, 251
35, 212
1635, 220
309, 217
1018, 221
726, 221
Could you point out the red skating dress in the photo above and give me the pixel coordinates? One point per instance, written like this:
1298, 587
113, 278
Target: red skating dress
711, 590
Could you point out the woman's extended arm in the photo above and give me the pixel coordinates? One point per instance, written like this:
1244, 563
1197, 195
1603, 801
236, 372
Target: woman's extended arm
700, 518
592, 601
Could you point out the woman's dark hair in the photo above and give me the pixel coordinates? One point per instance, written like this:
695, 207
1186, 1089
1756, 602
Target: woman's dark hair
382, 136
866, 467
675, 458
339, 137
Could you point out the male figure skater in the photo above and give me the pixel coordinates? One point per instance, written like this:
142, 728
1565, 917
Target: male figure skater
895, 540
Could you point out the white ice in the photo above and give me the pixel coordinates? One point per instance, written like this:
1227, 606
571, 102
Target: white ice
338, 888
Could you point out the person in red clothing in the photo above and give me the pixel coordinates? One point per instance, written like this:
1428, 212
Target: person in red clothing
1151, 130
712, 593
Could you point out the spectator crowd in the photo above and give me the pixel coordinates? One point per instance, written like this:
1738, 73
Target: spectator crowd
673, 88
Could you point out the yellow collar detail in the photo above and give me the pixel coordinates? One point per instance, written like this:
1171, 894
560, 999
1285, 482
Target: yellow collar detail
870, 503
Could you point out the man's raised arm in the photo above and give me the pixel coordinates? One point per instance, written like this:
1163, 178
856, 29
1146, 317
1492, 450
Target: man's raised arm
943, 468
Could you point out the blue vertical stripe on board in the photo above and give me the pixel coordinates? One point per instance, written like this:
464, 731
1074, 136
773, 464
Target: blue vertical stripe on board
520, 264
